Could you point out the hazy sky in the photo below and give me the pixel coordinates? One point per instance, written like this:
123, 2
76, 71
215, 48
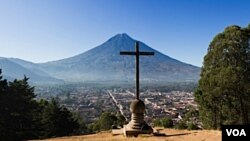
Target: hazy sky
45, 30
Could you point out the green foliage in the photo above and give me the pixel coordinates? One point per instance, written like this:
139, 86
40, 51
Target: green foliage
189, 120
3, 110
120, 120
192, 126
163, 122
105, 122
181, 125
167, 122
191, 115
157, 122
223, 93
16, 108
23, 118
57, 120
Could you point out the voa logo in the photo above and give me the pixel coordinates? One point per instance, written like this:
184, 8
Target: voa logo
236, 132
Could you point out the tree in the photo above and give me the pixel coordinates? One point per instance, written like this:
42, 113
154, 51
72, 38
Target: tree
105, 122
181, 125
167, 122
57, 120
192, 126
3, 108
164, 122
17, 108
120, 120
157, 122
223, 93
23, 118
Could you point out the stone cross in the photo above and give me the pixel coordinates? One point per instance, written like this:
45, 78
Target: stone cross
137, 53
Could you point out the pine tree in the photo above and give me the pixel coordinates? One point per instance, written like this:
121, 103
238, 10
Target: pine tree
57, 120
23, 118
3, 108
17, 108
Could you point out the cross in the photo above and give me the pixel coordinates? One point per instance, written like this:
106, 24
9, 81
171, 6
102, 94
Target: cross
137, 53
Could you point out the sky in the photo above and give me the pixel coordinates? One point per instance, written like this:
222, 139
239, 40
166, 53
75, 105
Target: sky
47, 30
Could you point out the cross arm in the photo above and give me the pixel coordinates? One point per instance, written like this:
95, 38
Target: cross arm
134, 53
127, 53
146, 53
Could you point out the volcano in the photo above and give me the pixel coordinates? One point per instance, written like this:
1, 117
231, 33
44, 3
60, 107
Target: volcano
104, 63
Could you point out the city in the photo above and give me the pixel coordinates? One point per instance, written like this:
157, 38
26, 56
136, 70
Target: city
91, 102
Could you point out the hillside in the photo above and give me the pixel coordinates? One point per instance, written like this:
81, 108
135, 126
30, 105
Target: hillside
16, 68
171, 135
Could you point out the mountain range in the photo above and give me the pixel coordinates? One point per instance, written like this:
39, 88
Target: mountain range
103, 63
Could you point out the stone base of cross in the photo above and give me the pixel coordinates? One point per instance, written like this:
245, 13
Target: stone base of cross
137, 125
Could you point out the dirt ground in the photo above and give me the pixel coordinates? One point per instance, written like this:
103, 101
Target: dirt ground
171, 135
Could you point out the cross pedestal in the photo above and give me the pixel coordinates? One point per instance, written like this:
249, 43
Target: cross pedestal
137, 125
